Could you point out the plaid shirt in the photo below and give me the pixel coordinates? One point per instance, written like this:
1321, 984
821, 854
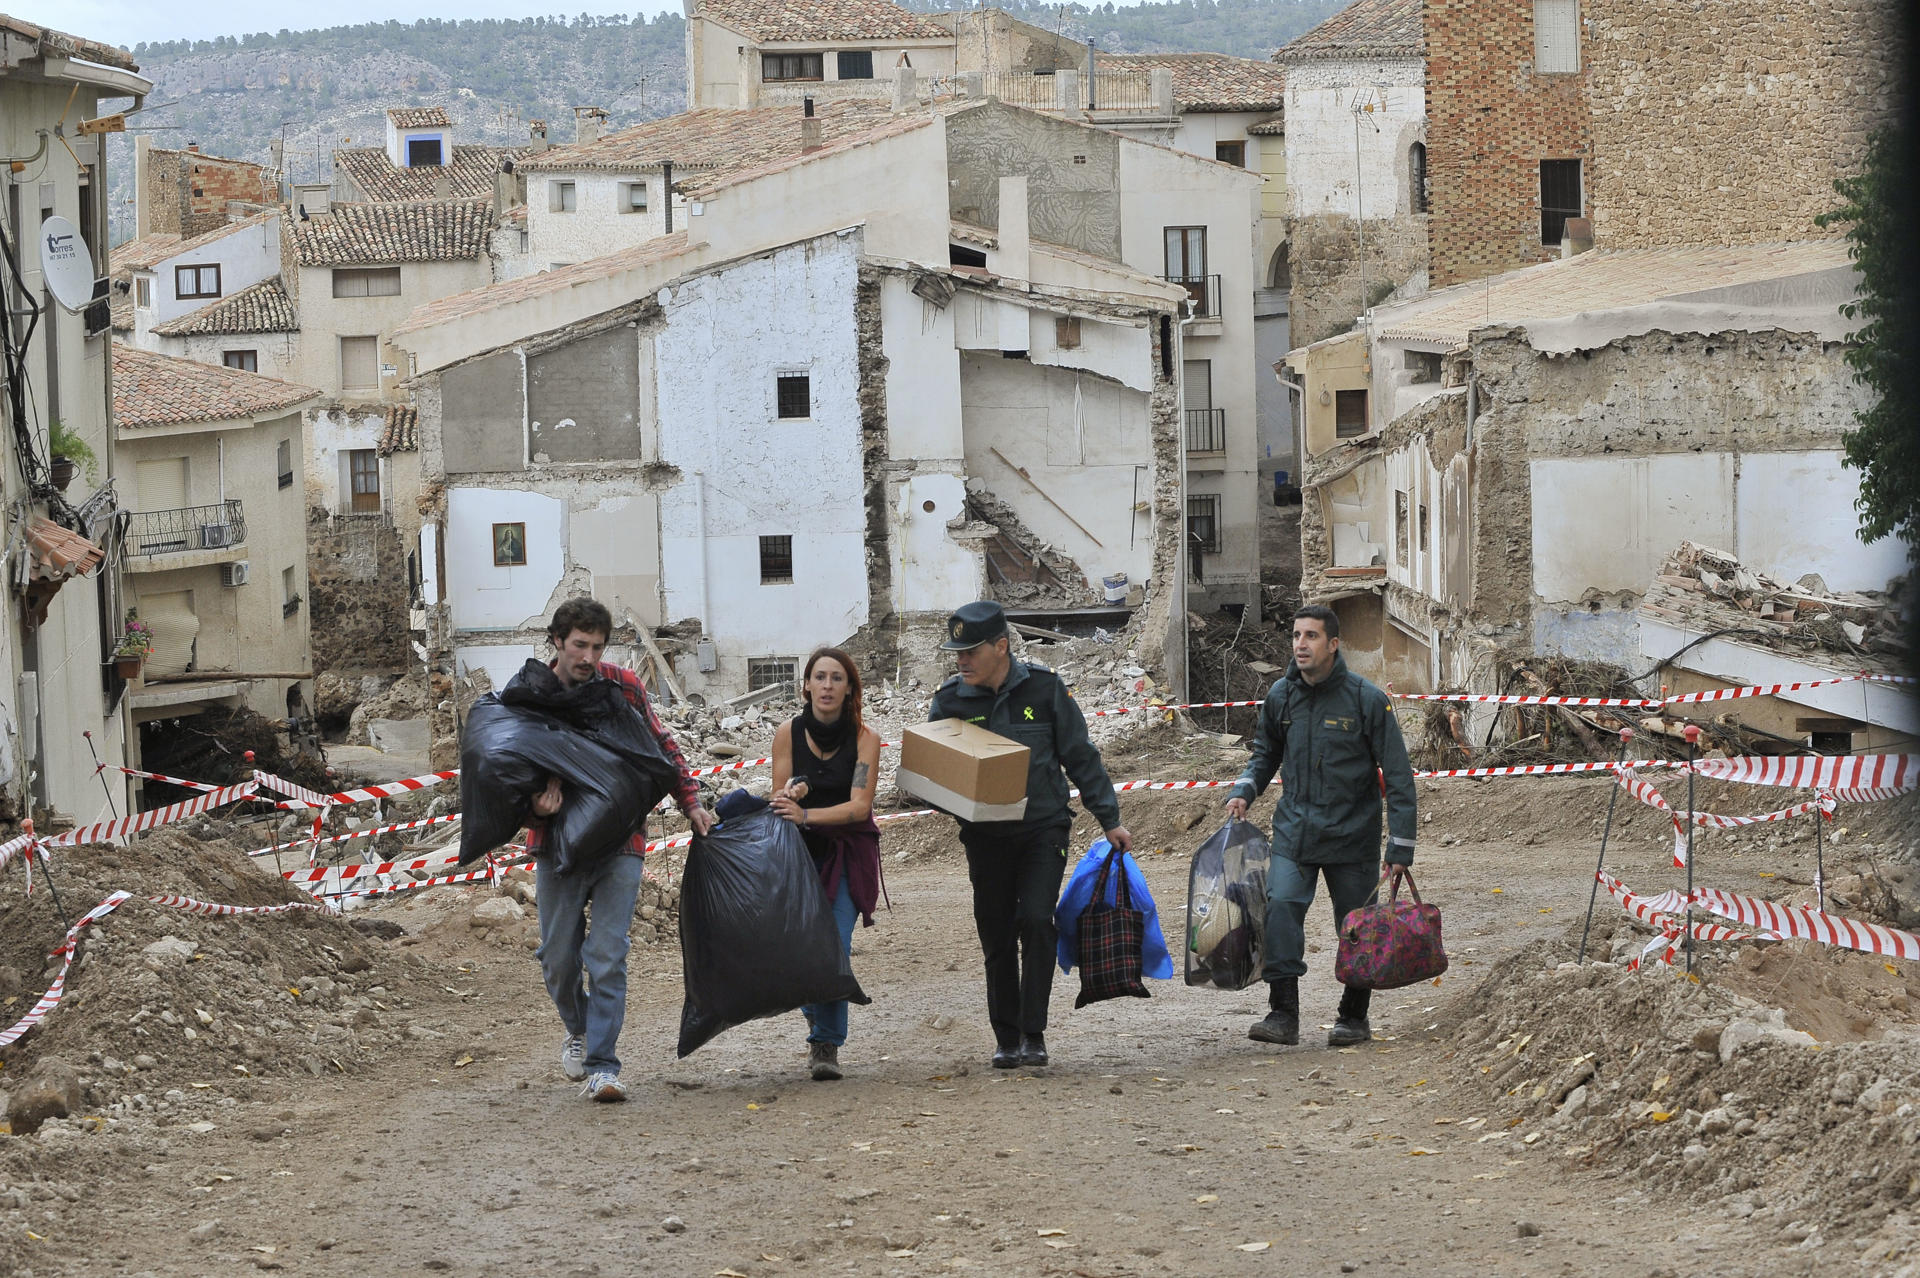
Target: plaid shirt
687, 793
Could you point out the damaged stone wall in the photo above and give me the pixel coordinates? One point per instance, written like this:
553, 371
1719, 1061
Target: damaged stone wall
358, 592
1162, 622
873, 444
1332, 285
1730, 125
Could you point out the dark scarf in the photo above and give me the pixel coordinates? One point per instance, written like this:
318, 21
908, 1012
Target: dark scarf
828, 736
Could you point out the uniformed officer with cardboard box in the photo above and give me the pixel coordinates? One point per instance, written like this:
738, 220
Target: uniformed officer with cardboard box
1016, 845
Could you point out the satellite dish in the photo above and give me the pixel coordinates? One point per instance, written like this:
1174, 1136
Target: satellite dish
66, 263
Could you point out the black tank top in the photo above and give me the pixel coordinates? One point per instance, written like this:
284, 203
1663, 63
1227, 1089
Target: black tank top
830, 780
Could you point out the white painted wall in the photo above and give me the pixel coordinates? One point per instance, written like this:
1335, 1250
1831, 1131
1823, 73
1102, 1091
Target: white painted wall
332, 433
275, 354
245, 257
930, 569
324, 319
616, 538
1330, 168
596, 226
747, 473
501, 661
1783, 514
483, 597
922, 370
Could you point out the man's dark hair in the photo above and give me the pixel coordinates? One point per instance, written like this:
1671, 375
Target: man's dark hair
580, 613
1326, 616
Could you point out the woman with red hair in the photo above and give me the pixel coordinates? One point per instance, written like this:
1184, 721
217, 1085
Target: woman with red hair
826, 764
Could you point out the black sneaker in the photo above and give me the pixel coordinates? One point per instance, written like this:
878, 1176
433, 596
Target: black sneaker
823, 1061
1006, 1057
1347, 1032
1277, 1027
1033, 1050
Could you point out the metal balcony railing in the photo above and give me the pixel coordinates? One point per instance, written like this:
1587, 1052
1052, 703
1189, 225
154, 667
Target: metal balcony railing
1205, 292
166, 532
1123, 91
1206, 430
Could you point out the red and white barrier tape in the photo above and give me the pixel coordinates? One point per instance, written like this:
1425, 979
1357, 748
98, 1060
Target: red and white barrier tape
421, 824
1667, 925
489, 872
152, 817
367, 869
1647, 703
155, 776
1895, 772
1807, 923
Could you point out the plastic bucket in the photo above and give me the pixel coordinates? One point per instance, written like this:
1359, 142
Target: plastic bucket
1116, 587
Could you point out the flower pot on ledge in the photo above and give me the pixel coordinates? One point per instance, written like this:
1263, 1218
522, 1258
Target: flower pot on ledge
126, 665
63, 470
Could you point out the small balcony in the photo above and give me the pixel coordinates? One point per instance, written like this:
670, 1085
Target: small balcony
186, 537
1205, 292
1206, 430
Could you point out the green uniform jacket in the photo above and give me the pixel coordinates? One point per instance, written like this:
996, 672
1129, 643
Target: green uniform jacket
1032, 707
1326, 739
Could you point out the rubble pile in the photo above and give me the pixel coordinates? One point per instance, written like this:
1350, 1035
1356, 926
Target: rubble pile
1705, 589
160, 1001
1708, 1092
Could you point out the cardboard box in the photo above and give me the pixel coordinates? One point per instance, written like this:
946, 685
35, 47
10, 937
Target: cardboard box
962, 768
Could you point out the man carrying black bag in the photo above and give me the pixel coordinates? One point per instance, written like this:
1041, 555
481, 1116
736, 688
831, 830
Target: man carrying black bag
1333, 739
606, 885
1016, 866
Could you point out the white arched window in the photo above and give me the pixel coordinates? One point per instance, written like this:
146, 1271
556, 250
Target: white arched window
1417, 178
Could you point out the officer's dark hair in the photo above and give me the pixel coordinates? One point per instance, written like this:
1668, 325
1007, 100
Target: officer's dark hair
580, 613
1322, 614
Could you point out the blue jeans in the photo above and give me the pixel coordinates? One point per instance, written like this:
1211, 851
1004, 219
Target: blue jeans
568, 946
827, 1022
1290, 891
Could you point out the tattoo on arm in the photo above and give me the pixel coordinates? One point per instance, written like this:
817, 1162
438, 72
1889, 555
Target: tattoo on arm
860, 774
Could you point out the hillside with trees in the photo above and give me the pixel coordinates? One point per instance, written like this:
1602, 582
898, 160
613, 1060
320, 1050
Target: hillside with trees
330, 88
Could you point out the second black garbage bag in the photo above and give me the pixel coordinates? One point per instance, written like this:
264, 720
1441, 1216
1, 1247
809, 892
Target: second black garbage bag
757, 936
611, 766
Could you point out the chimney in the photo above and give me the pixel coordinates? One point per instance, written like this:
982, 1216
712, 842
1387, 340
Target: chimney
906, 93
537, 130
586, 124
278, 148
194, 147
507, 192
1577, 236
809, 128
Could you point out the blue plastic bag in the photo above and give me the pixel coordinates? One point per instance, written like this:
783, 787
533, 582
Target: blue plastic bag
1157, 963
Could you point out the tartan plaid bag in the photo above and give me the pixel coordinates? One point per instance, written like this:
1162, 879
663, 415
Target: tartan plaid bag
1112, 940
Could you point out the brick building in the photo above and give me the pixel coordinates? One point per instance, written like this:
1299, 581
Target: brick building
186, 193
1510, 138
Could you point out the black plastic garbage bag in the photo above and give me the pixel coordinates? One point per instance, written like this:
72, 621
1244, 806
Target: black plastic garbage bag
611, 766
1227, 908
757, 936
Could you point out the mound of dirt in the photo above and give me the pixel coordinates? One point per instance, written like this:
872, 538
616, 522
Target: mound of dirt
1712, 1092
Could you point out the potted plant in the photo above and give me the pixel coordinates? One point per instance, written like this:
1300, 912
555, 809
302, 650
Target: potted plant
135, 646
70, 454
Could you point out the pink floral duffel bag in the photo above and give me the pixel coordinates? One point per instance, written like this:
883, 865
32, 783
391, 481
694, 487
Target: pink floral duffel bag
1383, 947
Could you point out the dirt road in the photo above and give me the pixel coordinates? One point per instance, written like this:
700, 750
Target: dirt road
1161, 1141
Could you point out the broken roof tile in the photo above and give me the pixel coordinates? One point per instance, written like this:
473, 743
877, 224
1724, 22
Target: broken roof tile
401, 433
150, 389
59, 553
416, 231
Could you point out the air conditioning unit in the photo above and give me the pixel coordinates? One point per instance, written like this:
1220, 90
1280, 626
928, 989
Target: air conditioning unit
233, 574
214, 536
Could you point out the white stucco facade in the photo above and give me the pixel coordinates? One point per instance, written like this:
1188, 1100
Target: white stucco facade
245, 256
599, 221
1349, 127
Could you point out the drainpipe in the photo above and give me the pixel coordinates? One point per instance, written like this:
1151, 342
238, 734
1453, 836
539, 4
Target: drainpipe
666, 193
1296, 418
220, 447
700, 518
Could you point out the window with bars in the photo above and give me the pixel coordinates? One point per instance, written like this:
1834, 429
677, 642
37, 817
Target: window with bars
791, 66
794, 394
1234, 153
768, 672
197, 281
1560, 198
776, 561
1349, 413
856, 64
379, 281
1203, 523
245, 361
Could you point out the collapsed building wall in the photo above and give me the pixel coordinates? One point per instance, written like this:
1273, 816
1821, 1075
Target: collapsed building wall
359, 587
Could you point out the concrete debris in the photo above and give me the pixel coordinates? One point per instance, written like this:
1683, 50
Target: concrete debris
51, 1090
1705, 589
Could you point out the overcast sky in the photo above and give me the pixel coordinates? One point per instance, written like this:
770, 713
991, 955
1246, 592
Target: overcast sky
128, 22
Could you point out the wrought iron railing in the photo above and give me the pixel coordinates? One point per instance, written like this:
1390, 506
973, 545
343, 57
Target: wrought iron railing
1206, 430
165, 532
1024, 88
1205, 292
1123, 91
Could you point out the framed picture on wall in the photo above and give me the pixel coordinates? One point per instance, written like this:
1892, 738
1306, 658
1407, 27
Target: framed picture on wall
509, 545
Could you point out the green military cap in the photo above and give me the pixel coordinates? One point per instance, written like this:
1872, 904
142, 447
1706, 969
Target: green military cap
974, 624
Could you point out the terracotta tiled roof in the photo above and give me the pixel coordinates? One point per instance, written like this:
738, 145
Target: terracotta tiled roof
712, 139
478, 301
419, 231
71, 46
1273, 128
1600, 280
401, 434
1214, 81
1364, 29
150, 389
59, 553
260, 308
149, 251
470, 175
779, 156
120, 308
418, 117
821, 20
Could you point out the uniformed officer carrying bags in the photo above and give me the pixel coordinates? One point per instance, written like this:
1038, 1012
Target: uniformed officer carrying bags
1016, 866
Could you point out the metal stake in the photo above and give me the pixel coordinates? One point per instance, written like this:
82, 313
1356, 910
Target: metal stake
1693, 740
100, 770
1593, 894
1819, 858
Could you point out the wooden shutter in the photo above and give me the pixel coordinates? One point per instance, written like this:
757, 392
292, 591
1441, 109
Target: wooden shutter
360, 363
